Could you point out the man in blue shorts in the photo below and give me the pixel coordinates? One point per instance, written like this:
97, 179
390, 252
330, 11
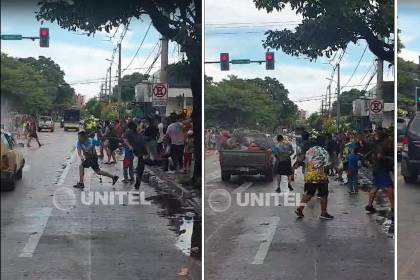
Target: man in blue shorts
89, 159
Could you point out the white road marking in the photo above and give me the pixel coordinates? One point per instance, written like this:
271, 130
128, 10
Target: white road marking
243, 187
43, 215
218, 228
66, 170
211, 176
265, 246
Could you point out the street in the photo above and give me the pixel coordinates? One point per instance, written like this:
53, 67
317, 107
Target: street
246, 242
408, 228
121, 241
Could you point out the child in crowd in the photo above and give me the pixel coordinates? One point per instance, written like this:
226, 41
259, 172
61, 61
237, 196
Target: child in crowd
353, 163
128, 164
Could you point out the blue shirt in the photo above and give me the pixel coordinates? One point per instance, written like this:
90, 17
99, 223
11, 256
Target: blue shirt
89, 146
353, 161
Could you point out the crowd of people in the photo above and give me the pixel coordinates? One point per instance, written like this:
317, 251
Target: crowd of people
168, 143
326, 157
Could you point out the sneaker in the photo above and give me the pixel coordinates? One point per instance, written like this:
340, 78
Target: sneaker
278, 190
125, 181
370, 209
170, 172
131, 180
137, 186
79, 186
114, 180
326, 216
290, 187
299, 213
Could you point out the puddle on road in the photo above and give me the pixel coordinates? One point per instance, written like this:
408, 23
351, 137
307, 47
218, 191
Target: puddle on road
183, 221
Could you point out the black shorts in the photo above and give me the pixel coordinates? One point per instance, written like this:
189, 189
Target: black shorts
311, 188
92, 163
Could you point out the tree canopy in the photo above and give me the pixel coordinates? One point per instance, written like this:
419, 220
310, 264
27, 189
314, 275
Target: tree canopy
407, 74
247, 103
346, 102
328, 26
34, 86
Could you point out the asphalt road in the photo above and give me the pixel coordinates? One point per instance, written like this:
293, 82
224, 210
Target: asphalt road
408, 229
252, 242
40, 241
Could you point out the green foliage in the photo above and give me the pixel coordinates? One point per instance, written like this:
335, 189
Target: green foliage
314, 121
328, 26
346, 102
34, 86
408, 72
128, 83
244, 103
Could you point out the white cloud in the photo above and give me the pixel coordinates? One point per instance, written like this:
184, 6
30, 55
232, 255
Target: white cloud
217, 11
410, 55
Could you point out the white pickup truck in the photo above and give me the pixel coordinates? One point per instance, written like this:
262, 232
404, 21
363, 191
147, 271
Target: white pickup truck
46, 122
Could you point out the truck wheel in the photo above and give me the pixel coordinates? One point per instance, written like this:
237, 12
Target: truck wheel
9, 184
19, 174
410, 179
225, 176
269, 176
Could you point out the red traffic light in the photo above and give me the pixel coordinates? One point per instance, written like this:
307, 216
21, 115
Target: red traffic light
224, 57
269, 56
44, 37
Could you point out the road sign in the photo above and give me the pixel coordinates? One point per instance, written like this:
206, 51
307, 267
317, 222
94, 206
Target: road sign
240, 61
160, 94
11, 37
376, 110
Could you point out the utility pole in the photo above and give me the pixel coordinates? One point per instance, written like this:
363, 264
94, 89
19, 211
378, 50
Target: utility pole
338, 98
119, 78
322, 108
329, 101
164, 68
379, 79
101, 93
109, 88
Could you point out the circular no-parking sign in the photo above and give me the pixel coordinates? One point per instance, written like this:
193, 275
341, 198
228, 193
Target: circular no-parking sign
376, 106
159, 90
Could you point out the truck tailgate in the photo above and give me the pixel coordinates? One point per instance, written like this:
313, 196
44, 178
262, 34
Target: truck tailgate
243, 158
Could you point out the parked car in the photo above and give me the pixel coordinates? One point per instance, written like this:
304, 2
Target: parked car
46, 122
257, 160
12, 161
401, 131
410, 154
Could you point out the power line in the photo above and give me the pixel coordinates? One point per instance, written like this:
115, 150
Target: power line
251, 23
357, 66
138, 49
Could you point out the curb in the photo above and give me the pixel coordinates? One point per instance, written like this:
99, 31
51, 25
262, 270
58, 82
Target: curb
163, 185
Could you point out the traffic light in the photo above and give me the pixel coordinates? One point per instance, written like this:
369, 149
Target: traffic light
418, 99
269, 61
44, 37
224, 61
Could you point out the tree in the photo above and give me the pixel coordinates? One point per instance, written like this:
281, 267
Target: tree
239, 103
407, 74
328, 26
287, 110
30, 87
178, 20
128, 84
314, 121
346, 102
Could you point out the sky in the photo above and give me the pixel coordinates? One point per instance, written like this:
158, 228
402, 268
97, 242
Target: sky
81, 57
304, 79
408, 23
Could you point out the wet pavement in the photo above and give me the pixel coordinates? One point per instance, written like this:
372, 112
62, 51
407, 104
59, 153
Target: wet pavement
408, 229
47, 233
268, 242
